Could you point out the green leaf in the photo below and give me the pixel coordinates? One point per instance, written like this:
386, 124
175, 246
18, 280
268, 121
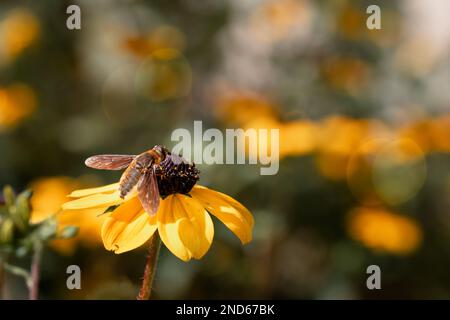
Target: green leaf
22, 251
24, 246
26, 194
68, 232
23, 206
6, 231
18, 221
47, 230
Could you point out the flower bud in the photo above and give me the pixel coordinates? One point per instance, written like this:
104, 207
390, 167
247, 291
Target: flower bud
6, 231
8, 194
23, 207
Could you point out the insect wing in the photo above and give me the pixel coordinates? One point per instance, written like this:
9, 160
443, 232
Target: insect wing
148, 192
109, 161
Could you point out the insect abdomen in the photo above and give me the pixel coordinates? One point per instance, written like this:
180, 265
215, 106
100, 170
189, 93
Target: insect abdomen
129, 179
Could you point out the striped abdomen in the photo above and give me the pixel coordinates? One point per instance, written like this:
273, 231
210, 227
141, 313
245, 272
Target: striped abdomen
135, 170
129, 179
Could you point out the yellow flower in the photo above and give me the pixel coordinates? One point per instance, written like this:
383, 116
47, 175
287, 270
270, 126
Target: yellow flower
162, 39
382, 230
19, 30
236, 107
183, 221
17, 102
49, 193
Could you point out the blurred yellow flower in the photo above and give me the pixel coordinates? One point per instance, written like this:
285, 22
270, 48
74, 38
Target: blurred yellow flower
19, 30
182, 220
253, 111
298, 138
352, 23
332, 166
335, 139
420, 132
338, 138
49, 194
241, 108
341, 135
382, 230
440, 134
158, 40
16, 102
431, 134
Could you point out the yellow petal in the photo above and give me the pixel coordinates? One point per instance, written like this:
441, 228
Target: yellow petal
233, 214
185, 227
196, 228
128, 227
168, 229
94, 201
87, 192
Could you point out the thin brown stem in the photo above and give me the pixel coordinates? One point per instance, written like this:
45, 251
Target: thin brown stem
150, 268
35, 271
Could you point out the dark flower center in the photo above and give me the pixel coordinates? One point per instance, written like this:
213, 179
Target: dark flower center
175, 175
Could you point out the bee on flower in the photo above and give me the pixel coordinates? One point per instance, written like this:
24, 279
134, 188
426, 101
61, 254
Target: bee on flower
158, 194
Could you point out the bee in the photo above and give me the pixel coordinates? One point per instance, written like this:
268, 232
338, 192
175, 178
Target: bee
140, 171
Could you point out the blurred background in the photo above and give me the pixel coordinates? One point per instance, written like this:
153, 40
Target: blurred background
364, 120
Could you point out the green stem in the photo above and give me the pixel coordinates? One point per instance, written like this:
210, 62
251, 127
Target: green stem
150, 268
18, 271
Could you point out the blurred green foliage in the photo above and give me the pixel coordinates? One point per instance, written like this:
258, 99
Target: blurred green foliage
113, 87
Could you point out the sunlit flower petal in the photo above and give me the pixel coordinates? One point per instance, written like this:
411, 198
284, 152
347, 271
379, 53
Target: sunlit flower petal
94, 201
233, 214
196, 227
87, 192
128, 227
168, 230
185, 227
